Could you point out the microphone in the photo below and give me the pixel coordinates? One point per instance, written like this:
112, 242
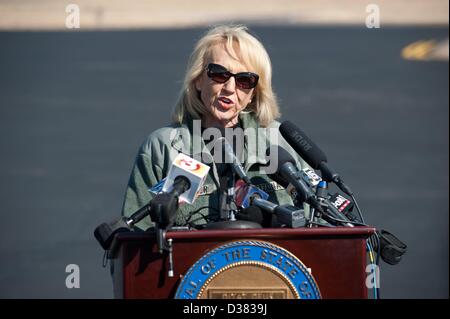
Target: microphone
105, 232
252, 214
161, 208
194, 171
164, 205
310, 177
331, 214
244, 192
338, 206
312, 154
288, 215
287, 173
231, 159
344, 205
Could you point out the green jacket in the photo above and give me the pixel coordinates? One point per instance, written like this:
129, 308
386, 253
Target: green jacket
157, 153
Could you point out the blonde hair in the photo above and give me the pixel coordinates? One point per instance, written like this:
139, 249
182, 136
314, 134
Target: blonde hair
253, 55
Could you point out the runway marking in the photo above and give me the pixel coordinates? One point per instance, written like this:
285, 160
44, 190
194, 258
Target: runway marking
418, 50
423, 50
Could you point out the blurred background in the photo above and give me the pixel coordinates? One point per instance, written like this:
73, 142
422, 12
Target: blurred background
368, 83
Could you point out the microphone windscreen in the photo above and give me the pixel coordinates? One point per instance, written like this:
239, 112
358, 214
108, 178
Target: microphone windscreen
251, 213
302, 144
255, 214
279, 155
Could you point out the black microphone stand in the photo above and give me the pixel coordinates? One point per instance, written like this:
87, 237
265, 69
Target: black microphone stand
231, 205
330, 213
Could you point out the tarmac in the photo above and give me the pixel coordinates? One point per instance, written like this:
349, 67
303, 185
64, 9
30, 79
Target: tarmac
75, 106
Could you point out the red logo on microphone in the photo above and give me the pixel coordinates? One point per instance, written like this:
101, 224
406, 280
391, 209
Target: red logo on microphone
189, 165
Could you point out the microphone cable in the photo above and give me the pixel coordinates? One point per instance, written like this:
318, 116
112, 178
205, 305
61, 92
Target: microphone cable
321, 225
346, 221
358, 209
374, 269
377, 260
370, 244
190, 222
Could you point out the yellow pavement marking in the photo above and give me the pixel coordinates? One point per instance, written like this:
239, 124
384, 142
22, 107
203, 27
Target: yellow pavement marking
419, 50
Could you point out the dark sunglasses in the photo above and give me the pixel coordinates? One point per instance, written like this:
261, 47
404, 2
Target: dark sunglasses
219, 74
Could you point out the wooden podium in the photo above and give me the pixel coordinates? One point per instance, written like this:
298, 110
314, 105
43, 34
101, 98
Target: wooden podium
336, 257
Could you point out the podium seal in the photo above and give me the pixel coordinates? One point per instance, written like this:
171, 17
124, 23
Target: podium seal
248, 270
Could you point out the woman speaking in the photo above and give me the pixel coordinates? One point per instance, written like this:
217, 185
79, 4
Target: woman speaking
227, 88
